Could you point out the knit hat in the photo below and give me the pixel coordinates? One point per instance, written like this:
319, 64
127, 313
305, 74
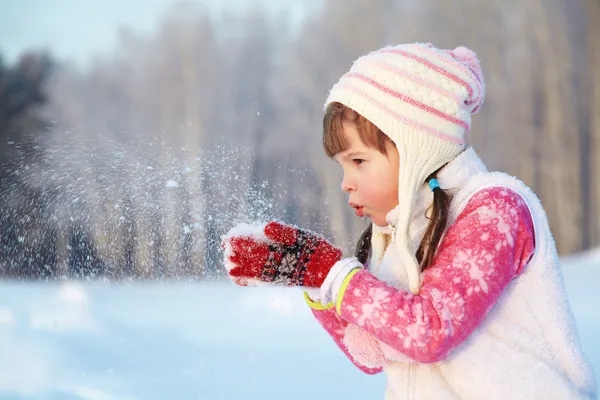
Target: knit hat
422, 98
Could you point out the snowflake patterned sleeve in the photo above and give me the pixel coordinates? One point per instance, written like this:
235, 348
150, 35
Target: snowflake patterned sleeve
335, 327
488, 245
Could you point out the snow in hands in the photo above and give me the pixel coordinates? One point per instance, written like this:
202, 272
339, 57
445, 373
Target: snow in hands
277, 253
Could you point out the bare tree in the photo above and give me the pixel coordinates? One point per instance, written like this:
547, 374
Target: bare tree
207, 122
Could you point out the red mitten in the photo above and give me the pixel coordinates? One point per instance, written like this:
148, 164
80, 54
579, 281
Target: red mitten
280, 254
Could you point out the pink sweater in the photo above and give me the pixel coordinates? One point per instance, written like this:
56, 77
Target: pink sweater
488, 245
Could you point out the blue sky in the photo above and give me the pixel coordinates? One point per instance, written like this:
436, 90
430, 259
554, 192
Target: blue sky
74, 29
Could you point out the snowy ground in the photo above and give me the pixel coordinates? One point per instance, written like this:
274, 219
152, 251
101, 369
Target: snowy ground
195, 341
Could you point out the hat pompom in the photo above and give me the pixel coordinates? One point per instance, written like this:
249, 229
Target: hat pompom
468, 58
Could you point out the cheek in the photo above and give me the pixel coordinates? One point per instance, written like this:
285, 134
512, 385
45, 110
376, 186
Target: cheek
389, 196
383, 191
391, 184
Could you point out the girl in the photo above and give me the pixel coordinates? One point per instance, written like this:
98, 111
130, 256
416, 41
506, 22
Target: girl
455, 290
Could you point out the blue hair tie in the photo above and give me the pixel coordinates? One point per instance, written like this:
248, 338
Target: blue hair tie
433, 184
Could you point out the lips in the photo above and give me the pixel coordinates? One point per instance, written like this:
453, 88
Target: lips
358, 209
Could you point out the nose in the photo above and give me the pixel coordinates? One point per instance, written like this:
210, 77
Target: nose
348, 184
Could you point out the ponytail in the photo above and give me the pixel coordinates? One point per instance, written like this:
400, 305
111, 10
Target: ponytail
363, 247
437, 225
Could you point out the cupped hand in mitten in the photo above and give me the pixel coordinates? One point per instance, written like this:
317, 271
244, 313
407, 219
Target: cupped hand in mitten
278, 253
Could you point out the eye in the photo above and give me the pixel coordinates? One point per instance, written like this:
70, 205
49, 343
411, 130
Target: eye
358, 161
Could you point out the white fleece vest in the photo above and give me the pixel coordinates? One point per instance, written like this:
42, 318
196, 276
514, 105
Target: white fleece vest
526, 347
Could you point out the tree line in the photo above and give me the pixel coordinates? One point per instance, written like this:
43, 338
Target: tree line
136, 166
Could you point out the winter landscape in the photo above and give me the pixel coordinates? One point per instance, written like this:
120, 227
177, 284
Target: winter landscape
208, 340
134, 134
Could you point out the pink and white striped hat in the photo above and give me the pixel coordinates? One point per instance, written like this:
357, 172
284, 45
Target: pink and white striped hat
422, 98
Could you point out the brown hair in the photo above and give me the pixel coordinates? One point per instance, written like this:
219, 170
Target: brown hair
335, 142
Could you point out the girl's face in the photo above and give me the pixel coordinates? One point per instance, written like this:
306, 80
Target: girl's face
370, 177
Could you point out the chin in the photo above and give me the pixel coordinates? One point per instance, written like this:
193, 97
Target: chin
380, 222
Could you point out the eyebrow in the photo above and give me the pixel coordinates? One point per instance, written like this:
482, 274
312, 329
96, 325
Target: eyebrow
354, 154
